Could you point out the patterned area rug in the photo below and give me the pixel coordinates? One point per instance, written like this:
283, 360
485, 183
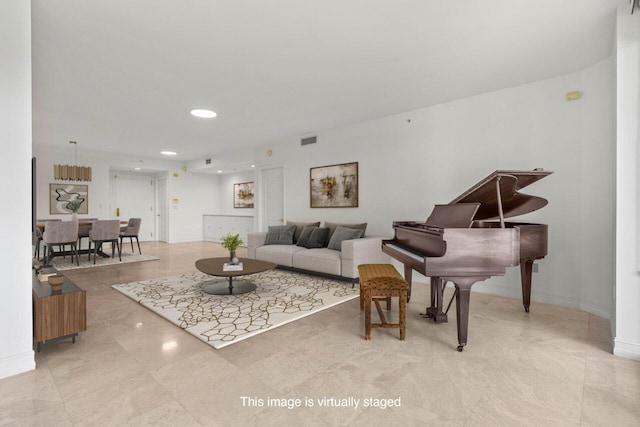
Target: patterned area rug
61, 263
281, 297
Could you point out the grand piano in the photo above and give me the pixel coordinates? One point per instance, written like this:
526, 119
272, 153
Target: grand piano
468, 241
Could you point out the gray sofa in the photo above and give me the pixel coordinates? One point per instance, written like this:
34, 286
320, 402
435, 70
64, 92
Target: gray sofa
337, 257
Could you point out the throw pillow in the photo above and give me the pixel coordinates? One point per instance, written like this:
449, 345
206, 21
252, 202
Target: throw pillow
333, 225
304, 236
280, 235
313, 237
343, 233
317, 238
300, 227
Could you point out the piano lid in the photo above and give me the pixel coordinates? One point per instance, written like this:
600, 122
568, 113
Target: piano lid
513, 203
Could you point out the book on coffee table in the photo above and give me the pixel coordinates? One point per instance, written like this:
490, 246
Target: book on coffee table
232, 267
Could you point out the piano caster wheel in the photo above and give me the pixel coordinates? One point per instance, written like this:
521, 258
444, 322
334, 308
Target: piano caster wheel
526, 309
460, 347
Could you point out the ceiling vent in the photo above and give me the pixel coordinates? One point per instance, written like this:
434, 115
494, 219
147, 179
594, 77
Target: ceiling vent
307, 141
207, 161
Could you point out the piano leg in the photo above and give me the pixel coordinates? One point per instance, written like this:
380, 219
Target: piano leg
408, 274
526, 268
435, 310
463, 293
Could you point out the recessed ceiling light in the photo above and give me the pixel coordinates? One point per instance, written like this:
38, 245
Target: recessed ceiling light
204, 114
168, 153
136, 169
219, 171
253, 166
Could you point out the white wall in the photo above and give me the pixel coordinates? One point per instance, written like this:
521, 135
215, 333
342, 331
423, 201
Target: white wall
411, 161
197, 194
597, 190
627, 314
16, 348
226, 193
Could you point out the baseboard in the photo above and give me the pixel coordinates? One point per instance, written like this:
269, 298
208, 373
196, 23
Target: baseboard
544, 298
603, 312
17, 364
626, 349
516, 293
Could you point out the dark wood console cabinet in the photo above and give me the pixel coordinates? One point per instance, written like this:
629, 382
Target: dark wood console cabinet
57, 315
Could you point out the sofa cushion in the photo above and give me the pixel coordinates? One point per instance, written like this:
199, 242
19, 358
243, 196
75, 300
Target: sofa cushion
333, 225
313, 237
343, 233
280, 235
278, 254
322, 260
300, 228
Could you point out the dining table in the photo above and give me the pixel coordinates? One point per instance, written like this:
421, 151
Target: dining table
51, 254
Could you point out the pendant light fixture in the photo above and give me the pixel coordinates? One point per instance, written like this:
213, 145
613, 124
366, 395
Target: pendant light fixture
72, 173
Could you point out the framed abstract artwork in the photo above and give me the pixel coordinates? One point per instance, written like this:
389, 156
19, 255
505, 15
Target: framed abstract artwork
243, 195
67, 198
334, 186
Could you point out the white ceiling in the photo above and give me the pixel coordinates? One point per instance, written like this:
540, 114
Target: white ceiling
121, 76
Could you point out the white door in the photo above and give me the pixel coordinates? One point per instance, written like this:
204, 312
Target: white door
135, 198
272, 197
162, 210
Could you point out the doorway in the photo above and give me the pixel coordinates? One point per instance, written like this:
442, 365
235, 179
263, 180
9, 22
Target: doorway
134, 197
162, 210
272, 197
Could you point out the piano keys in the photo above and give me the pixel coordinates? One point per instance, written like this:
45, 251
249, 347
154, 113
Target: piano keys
468, 241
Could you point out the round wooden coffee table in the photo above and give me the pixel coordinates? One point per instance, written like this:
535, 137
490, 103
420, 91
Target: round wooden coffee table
214, 267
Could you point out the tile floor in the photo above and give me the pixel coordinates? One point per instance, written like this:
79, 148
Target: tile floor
552, 367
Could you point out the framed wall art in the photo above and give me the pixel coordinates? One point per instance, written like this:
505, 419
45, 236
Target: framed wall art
243, 195
334, 186
68, 198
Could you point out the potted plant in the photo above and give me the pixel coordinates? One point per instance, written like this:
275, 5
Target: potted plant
74, 207
231, 243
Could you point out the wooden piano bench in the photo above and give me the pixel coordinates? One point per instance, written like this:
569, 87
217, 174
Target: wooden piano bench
381, 282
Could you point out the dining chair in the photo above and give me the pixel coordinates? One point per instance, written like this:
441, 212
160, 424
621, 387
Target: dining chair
131, 230
60, 233
38, 233
105, 231
83, 230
